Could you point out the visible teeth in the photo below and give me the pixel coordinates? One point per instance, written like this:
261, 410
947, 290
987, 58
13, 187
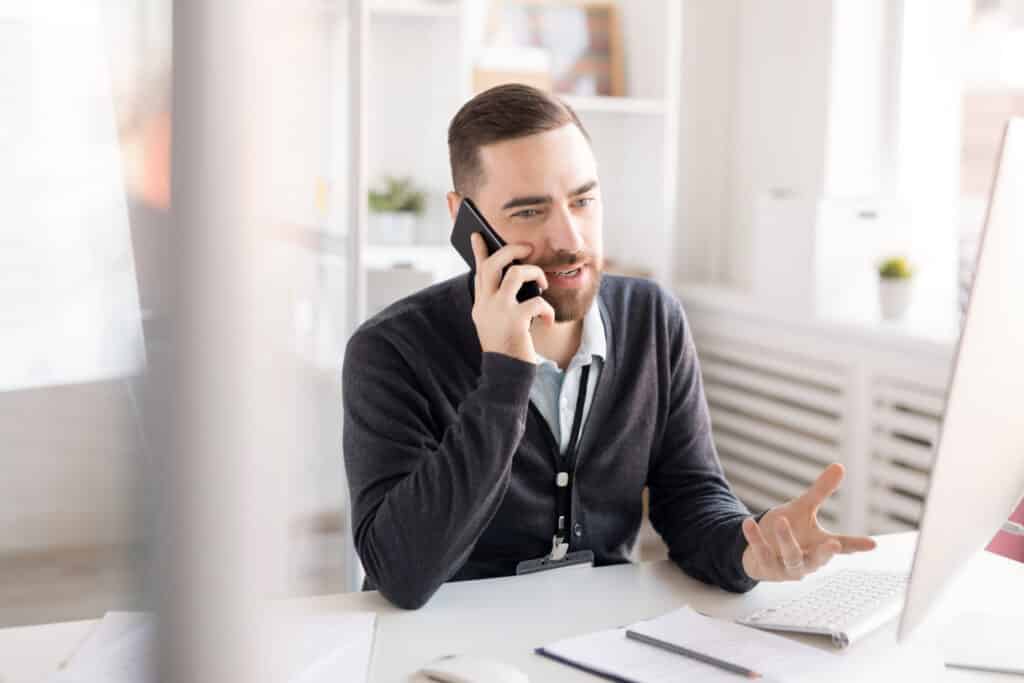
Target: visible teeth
567, 273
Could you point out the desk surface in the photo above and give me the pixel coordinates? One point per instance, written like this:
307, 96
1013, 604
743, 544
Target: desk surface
507, 618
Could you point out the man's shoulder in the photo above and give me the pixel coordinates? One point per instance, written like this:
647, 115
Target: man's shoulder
635, 297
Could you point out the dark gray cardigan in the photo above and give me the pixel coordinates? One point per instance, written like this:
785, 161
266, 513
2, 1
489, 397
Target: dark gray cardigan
451, 472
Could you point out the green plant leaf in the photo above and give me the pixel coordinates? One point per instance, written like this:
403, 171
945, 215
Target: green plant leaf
398, 194
896, 267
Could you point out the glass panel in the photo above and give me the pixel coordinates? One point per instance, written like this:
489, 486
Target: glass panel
87, 250
83, 116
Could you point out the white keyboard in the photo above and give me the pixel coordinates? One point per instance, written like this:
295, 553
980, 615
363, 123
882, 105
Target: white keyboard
845, 605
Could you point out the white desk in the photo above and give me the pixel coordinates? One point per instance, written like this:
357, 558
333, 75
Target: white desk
508, 618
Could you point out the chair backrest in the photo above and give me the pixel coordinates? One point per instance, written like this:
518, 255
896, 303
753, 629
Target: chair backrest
1007, 544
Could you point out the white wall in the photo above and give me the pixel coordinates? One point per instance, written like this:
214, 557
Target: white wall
755, 93
706, 134
408, 128
857, 101
72, 466
780, 104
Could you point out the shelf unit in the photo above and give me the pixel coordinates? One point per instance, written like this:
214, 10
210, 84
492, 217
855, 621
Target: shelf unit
417, 61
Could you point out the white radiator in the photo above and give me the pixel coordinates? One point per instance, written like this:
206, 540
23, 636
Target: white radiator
782, 411
905, 422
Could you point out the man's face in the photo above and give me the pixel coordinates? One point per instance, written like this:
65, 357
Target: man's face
542, 190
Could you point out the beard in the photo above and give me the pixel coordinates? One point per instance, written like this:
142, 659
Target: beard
573, 304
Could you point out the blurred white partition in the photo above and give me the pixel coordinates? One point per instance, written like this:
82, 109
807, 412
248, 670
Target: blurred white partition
227, 465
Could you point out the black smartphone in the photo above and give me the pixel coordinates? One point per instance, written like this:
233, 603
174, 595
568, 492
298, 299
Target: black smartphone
470, 220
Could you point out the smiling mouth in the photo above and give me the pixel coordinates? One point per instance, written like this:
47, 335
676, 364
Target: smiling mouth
566, 273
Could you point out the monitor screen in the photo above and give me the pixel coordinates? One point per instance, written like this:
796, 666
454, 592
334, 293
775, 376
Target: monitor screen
978, 474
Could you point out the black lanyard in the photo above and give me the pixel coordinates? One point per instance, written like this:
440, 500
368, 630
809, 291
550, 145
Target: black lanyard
564, 477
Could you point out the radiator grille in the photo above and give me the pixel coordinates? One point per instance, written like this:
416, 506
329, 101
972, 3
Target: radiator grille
905, 420
778, 419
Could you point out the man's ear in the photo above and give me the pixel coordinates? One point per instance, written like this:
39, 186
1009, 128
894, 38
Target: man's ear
454, 199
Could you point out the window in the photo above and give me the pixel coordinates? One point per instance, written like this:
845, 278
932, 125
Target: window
993, 91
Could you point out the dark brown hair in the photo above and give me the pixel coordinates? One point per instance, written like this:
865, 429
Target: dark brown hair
504, 112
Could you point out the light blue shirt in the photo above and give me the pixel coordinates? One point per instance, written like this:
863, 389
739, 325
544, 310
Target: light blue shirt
555, 392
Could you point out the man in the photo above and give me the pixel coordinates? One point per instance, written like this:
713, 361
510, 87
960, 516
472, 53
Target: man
481, 432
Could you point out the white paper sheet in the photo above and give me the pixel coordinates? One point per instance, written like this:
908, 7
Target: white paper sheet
987, 642
775, 657
301, 649
326, 649
118, 649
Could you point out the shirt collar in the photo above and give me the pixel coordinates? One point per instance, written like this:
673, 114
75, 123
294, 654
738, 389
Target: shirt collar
593, 341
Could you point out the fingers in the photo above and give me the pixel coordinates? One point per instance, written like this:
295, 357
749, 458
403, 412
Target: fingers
489, 267
789, 550
516, 276
779, 560
855, 544
825, 485
539, 308
479, 249
763, 553
778, 556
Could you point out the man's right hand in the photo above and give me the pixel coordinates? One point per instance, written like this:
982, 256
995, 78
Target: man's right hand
502, 322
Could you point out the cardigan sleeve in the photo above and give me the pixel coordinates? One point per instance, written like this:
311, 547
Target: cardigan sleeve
420, 504
692, 505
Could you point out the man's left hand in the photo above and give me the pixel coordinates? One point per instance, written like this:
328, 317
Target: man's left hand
789, 543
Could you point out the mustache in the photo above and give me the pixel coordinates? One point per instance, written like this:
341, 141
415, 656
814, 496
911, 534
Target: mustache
566, 258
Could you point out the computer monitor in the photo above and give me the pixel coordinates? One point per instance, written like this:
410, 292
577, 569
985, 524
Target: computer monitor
978, 474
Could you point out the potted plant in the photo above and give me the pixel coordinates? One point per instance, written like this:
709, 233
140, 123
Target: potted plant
394, 208
895, 276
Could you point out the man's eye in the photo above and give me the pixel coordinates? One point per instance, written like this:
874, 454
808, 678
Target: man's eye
584, 201
526, 213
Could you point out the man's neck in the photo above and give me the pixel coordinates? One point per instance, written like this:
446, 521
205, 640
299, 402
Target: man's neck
558, 342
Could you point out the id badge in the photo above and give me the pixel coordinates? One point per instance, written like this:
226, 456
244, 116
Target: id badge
547, 562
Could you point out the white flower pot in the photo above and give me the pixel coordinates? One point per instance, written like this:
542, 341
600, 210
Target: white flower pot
894, 297
392, 227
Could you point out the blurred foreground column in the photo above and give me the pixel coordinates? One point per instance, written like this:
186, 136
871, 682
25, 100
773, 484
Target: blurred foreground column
220, 537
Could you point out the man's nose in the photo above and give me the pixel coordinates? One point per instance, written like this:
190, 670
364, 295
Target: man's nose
565, 234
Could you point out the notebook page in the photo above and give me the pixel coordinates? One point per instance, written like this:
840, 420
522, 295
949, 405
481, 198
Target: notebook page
612, 653
773, 656
776, 658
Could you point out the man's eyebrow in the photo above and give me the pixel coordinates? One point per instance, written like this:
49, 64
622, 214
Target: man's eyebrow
584, 188
526, 201
534, 200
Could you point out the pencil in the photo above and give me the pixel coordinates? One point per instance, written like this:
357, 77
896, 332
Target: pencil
679, 650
